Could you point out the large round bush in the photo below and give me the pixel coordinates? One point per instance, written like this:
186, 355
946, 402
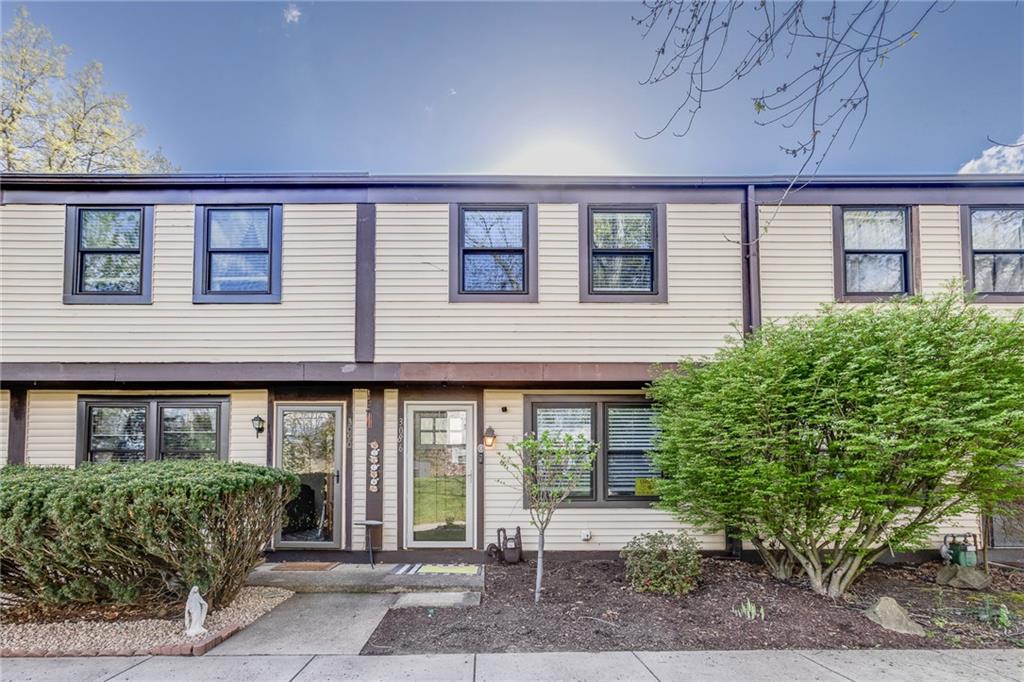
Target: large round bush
138, 535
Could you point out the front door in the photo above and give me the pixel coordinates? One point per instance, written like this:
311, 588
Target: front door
310, 445
440, 456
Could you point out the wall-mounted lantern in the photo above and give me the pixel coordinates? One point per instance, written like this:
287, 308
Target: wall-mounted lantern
490, 437
259, 424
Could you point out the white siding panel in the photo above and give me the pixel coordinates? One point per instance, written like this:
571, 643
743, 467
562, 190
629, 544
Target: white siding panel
503, 499
415, 321
360, 400
389, 470
940, 247
5, 411
796, 260
314, 321
52, 422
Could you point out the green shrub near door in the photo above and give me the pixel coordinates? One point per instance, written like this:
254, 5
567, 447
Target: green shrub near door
138, 535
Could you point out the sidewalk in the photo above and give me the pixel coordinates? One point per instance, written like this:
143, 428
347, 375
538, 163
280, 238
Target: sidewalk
641, 666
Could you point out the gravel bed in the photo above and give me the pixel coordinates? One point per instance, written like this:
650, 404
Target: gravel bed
148, 633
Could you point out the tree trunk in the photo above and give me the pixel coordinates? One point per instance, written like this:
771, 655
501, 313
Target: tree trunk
540, 566
779, 562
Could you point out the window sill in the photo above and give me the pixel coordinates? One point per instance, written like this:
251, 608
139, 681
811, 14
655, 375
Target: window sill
631, 503
236, 298
107, 299
491, 297
869, 298
655, 298
998, 298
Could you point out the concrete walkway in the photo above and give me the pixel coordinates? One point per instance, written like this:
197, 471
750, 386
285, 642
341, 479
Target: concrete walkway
360, 578
641, 666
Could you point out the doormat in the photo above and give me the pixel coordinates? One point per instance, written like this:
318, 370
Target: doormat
436, 569
304, 566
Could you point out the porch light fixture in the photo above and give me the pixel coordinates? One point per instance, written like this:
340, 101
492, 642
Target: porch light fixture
258, 423
490, 437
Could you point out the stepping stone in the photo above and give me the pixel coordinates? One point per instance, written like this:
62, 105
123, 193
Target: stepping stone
436, 600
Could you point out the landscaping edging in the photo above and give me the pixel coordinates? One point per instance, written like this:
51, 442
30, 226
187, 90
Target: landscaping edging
199, 648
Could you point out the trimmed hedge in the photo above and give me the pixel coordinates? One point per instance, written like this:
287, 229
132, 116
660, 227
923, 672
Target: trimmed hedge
138, 535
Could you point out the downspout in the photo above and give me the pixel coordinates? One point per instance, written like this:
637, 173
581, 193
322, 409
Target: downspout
750, 276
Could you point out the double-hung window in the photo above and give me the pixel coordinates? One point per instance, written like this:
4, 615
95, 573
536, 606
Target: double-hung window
872, 252
129, 430
624, 428
108, 254
493, 253
623, 255
994, 252
238, 254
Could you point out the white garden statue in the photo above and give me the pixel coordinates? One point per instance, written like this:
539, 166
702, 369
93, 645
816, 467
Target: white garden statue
195, 613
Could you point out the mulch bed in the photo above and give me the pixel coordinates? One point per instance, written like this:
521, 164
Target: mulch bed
587, 606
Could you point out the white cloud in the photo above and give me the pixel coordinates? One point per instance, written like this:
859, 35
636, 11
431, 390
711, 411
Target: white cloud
291, 13
998, 159
451, 91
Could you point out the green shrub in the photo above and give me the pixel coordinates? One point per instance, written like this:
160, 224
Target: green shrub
138, 535
667, 563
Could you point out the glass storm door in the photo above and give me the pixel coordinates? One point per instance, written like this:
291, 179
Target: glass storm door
309, 445
440, 453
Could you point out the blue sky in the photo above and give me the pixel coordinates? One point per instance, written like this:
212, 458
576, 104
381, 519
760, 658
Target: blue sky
504, 87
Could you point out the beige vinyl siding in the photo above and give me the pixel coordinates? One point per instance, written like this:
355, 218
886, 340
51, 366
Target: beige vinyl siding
5, 411
243, 443
415, 321
940, 247
610, 527
360, 400
52, 424
389, 469
796, 260
314, 321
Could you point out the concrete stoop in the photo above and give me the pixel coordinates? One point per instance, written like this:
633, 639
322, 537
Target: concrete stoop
360, 578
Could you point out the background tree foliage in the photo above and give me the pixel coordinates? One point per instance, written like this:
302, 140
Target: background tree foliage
831, 439
54, 123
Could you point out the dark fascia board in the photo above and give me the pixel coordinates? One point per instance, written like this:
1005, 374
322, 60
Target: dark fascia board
361, 188
263, 373
364, 180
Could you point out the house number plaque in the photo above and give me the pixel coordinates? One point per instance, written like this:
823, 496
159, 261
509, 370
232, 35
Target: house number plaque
373, 467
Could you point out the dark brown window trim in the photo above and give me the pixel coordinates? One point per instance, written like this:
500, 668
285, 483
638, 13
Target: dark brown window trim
599, 476
660, 275
200, 261
72, 273
967, 255
839, 254
153, 403
530, 277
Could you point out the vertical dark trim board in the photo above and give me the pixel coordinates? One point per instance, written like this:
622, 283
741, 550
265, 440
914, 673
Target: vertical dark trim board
17, 410
366, 281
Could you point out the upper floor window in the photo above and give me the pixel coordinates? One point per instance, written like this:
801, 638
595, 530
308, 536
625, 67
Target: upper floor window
129, 430
493, 253
238, 254
873, 253
108, 254
994, 252
623, 255
623, 470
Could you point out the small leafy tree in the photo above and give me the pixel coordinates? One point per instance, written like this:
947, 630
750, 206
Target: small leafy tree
52, 122
831, 439
548, 469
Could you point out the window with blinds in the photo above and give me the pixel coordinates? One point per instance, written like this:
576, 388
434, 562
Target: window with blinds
625, 430
130, 430
571, 420
631, 433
